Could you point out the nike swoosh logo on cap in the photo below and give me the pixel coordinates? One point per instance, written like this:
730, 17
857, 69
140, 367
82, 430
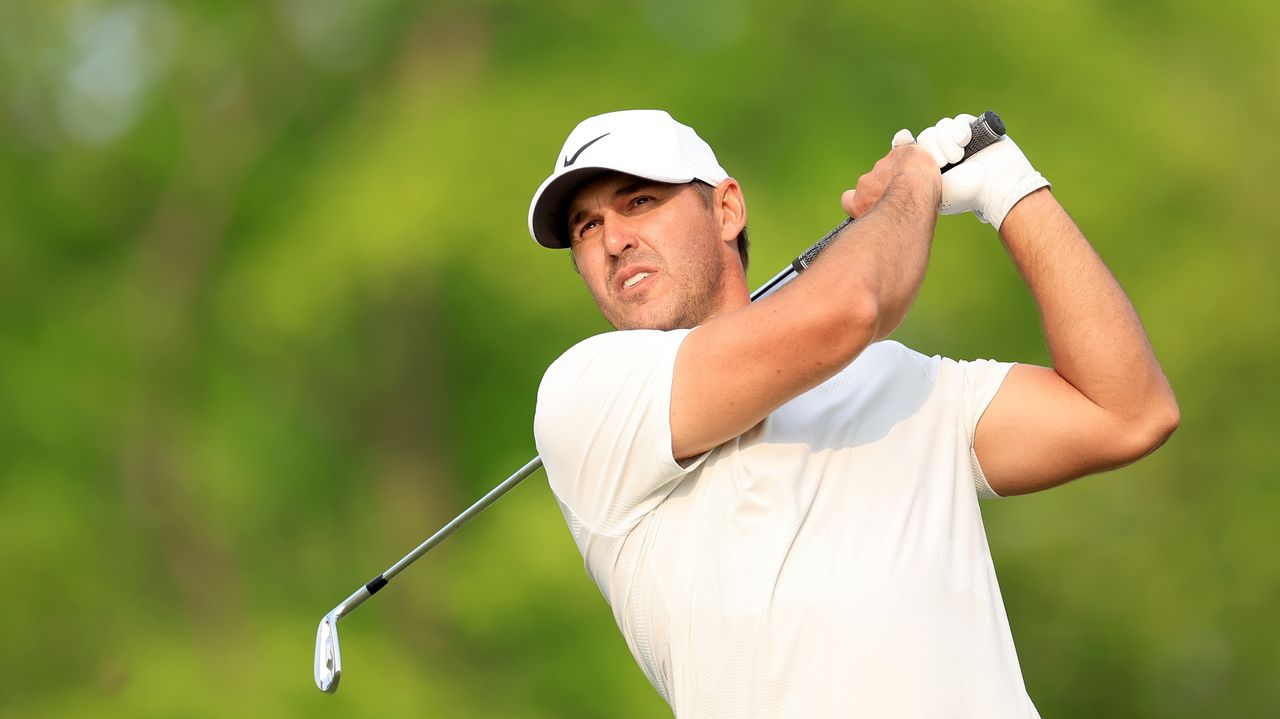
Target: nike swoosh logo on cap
570, 160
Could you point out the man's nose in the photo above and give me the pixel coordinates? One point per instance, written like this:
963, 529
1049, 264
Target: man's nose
619, 236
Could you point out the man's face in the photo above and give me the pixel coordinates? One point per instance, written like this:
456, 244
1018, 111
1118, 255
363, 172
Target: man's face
651, 253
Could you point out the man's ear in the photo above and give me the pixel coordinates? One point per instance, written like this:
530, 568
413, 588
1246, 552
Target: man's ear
732, 209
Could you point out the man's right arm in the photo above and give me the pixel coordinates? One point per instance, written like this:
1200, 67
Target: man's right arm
736, 369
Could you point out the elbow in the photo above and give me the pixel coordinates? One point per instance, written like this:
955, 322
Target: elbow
865, 315
1165, 424
837, 333
1165, 418
1156, 428
861, 323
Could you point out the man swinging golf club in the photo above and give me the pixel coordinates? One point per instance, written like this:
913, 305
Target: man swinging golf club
778, 502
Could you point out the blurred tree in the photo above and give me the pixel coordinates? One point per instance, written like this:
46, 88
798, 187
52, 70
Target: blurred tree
269, 314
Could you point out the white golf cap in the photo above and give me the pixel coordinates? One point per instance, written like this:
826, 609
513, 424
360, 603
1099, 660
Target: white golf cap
644, 143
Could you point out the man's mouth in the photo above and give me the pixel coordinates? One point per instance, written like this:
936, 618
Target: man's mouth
634, 279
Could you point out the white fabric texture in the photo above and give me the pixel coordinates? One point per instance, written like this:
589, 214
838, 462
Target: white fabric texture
830, 562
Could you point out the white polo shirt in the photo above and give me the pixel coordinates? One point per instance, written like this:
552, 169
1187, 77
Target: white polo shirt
830, 562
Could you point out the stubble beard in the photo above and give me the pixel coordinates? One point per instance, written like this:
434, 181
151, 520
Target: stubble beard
693, 299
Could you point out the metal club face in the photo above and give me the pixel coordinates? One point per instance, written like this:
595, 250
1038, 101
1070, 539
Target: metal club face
328, 666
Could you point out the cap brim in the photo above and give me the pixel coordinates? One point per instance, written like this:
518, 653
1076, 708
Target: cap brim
547, 221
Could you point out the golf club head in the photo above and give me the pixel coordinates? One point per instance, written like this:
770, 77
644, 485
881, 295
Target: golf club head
328, 667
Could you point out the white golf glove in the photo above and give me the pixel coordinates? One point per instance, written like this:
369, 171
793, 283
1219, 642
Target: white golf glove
990, 183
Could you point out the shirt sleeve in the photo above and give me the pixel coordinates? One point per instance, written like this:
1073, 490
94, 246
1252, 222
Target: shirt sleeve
979, 382
603, 427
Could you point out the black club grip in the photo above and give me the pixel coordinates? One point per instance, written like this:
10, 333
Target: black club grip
986, 129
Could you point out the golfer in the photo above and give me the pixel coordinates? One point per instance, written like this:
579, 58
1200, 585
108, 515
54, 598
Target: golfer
780, 503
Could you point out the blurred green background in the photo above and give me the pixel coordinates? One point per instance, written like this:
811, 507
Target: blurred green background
269, 315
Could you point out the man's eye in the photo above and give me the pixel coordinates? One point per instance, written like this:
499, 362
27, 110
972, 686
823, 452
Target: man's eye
582, 231
641, 200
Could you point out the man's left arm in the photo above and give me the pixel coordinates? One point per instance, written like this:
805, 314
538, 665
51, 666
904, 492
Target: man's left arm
1106, 401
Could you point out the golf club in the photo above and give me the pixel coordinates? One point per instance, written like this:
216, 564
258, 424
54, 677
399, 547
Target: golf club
987, 129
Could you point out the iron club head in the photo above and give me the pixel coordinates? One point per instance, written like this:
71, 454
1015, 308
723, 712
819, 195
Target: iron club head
328, 668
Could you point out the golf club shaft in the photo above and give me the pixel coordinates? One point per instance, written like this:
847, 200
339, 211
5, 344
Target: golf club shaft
987, 129
380, 581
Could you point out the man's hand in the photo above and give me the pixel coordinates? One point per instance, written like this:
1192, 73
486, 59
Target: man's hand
907, 163
990, 183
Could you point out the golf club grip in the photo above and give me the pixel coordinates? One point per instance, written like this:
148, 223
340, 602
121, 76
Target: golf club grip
986, 129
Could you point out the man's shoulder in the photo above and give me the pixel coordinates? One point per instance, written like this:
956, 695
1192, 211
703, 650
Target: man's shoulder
614, 341
613, 350
614, 346
599, 365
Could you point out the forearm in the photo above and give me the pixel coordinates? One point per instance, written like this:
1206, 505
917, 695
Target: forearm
879, 261
736, 369
1093, 332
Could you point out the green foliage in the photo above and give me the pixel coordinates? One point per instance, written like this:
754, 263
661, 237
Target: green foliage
269, 314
